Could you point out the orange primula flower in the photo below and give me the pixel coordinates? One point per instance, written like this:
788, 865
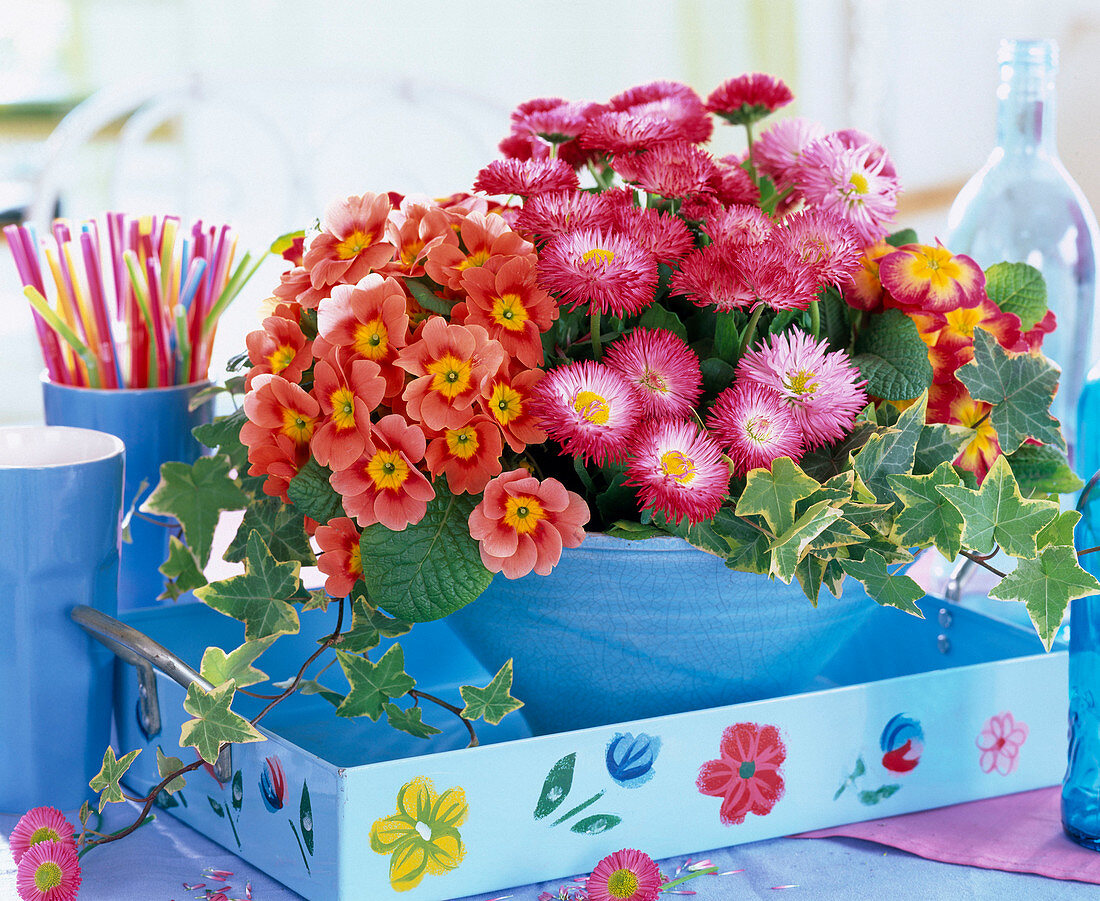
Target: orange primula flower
352, 242
281, 421
469, 455
414, 229
348, 389
483, 236
507, 398
918, 276
340, 558
280, 347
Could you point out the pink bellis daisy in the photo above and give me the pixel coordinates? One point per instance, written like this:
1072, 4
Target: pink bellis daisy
678, 169
741, 223
545, 216
755, 426
607, 272
41, 824
678, 470
823, 390
777, 151
828, 243
710, 276
48, 871
522, 524
526, 177
626, 875
663, 370
748, 98
622, 132
591, 410
669, 100
776, 273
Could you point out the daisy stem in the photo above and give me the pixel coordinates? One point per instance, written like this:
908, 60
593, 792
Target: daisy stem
709, 871
752, 165
750, 331
815, 319
597, 346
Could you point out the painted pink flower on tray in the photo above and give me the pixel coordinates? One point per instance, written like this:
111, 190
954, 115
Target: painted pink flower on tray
747, 776
1000, 742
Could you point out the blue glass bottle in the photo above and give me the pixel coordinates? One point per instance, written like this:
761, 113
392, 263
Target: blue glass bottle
1023, 206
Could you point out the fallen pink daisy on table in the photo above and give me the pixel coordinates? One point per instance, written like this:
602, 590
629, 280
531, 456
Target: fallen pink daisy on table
678, 470
40, 824
755, 426
626, 875
663, 370
48, 871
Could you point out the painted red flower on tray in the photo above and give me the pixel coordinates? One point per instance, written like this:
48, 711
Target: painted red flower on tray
747, 776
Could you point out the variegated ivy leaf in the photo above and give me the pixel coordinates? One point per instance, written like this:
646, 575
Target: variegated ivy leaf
1060, 530
790, 547
890, 452
168, 765
214, 723
774, 494
891, 589
996, 513
373, 684
409, 720
106, 780
927, 516
939, 442
182, 570
218, 667
493, 702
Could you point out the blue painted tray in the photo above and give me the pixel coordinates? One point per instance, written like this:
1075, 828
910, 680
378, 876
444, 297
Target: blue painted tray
909, 715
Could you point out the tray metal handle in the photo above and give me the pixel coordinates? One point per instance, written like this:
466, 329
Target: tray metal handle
145, 655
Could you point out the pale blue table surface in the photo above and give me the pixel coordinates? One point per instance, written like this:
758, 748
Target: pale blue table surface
154, 863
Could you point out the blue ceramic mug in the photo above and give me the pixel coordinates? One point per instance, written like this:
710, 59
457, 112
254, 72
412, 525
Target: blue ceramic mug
61, 502
155, 425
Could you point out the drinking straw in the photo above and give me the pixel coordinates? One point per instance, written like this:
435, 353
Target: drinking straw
67, 309
108, 356
54, 321
51, 350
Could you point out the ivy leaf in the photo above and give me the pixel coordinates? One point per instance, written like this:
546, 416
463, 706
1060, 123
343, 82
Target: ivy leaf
367, 628
811, 575
317, 600
493, 702
774, 494
891, 451
928, 516
260, 596
742, 545
313, 687
106, 780
282, 528
890, 354
311, 493
939, 442
167, 765
1046, 585
182, 570
792, 545
1019, 386
431, 568
410, 721
839, 533
224, 434
1060, 530
1043, 469
996, 513
196, 495
217, 667
1018, 288
372, 684
214, 722
835, 459
886, 588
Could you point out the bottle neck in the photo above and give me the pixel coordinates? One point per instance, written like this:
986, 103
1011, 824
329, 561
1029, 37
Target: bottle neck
1025, 112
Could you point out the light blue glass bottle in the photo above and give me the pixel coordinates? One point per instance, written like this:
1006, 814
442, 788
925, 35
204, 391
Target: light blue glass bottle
1023, 206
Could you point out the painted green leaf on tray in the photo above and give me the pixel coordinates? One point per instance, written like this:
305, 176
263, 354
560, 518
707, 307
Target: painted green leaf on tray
493, 702
106, 780
373, 684
305, 819
213, 723
596, 824
870, 798
556, 786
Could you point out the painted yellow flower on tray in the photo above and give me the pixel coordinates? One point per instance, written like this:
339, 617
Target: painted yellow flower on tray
422, 837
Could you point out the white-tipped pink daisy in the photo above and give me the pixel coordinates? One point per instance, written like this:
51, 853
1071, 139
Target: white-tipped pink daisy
608, 273
678, 470
40, 824
821, 387
661, 368
828, 243
590, 409
755, 426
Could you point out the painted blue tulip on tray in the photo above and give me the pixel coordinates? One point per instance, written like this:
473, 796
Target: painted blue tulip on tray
630, 760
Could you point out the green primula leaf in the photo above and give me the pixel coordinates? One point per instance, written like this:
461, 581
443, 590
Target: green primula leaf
886, 588
939, 442
996, 513
224, 434
618, 499
556, 786
493, 702
717, 375
168, 765
181, 568
1019, 386
260, 597
1043, 469
835, 326
410, 720
1046, 585
890, 452
431, 568
372, 684
1060, 530
218, 667
311, 493
106, 780
890, 354
774, 494
195, 495
790, 547
657, 317
633, 531
281, 527
214, 722
902, 237
927, 516
1018, 288
427, 298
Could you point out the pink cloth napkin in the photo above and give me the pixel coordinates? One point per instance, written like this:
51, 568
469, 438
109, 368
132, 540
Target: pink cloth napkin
1021, 833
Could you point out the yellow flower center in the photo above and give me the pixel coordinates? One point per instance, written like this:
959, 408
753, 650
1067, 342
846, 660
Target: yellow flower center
622, 884
963, 320
858, 181
523, 513
371, 339
801, 382
592, 406
355, 560
602, 256
474, 260
936, 265
297, 426
343, 408
462, 443
280, 358
47, 875
353, 245
411, 251
508, 311
678, 466
506, 403
43, 834
387, 470
758, 428
451, 376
